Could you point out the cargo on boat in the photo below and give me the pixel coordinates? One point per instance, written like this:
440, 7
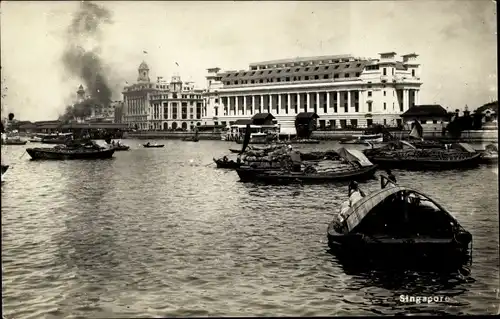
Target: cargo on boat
348, 165
397, 222
404, 155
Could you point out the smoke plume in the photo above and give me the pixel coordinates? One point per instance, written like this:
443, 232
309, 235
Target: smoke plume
81, 57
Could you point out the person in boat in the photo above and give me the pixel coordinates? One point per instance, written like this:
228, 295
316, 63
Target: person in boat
354, 193
238, 160
391, 177
224, 159
148, 143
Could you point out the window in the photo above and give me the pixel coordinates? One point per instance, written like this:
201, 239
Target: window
252, 81
385, 106
288, 79
385, 121
307, 69
369, 122
306, 78
316, 77
325, 76
369, 93
370, 107
332, 123
316, 68
392, 71
336, 76
343, 123
385, 93
261, 81
346, 75
423, 122
174, 111
358, 74
413, 73
354, 122
346, 66
434, 122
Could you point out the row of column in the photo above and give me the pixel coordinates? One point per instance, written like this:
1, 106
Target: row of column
318, 102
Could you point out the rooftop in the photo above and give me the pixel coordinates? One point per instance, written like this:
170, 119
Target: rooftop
425, 110
303, 59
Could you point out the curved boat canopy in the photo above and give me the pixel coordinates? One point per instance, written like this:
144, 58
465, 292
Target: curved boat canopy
365, 205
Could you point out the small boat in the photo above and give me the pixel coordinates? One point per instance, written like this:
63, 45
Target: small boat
362, 139
404, 155
62, 153
121, 147
37, 138
193, 138
397, 222
14, 141
233, 150
225, 163
489, 155
147, 145
61, 138
303, 141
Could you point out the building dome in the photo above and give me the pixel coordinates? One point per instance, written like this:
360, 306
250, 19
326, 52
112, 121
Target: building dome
143, 66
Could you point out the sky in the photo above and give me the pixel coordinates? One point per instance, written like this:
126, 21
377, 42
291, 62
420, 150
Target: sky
455, 40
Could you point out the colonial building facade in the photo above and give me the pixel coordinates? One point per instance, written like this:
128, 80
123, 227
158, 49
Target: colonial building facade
180, 107
342, 90
161, 105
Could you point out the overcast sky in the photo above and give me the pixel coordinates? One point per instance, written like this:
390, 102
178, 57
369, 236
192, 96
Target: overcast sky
456, 41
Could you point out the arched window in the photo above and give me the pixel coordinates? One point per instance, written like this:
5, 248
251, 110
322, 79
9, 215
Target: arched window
198, 124
174, 125
184, 125
165, 126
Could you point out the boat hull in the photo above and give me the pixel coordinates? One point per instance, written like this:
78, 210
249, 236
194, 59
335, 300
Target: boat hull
228, 164
58, 154
426, 164
121, 148
411, 249
272, 177
15, 142
153, 146
363, 141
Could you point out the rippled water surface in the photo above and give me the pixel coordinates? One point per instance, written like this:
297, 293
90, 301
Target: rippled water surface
158, 232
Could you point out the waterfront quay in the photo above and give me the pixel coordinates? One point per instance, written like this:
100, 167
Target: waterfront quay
476, 136
161, 232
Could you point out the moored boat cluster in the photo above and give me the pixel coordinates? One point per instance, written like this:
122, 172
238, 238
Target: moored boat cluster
393, 220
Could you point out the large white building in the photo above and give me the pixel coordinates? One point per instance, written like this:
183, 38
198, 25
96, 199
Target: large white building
342, 90
160, 105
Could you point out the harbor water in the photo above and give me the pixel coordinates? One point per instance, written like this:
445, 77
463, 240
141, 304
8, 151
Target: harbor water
161, 232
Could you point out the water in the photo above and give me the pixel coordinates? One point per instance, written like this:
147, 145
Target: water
156, 232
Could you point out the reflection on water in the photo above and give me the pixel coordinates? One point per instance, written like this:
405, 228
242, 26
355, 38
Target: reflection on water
157, 232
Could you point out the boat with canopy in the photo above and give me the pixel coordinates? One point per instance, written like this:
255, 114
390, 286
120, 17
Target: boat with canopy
398, 221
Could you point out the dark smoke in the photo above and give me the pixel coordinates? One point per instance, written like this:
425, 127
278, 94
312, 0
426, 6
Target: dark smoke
86, 63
